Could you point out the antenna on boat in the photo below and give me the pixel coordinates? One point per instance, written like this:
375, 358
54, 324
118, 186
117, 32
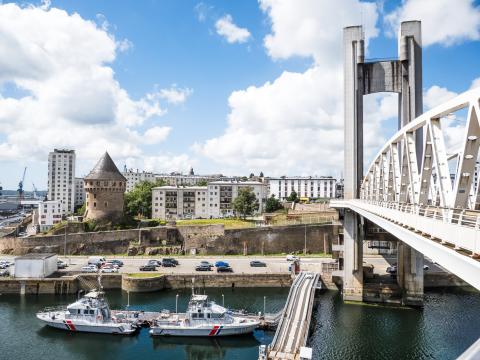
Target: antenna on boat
193, 286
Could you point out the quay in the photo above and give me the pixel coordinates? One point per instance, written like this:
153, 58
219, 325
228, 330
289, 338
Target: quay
293, 328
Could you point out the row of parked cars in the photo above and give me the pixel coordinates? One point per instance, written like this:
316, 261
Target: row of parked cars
152, 265
99, 263
4, 267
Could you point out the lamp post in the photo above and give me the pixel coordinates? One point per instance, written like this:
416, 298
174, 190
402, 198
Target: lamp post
223, 300
264, 304
176, 304
305, 242
65, 243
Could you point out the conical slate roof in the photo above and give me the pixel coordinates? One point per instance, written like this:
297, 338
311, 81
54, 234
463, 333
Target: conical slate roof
105, 170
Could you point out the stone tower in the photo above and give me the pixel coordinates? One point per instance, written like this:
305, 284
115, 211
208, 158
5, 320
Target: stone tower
105, 188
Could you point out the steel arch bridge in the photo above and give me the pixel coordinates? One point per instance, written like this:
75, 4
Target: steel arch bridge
421, 203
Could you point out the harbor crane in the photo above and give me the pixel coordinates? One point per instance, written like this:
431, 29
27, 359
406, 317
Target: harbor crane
20, 186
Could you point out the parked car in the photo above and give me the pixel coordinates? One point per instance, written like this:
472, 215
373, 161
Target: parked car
109, 269
426, 267
96, 260
4, 273
110, 264
172, 260
148, 267
154, 262
206, 263
291, 257
167, 263
392, 270
203, 267
257, 263
116, 262
221, 263
61, 264
90, 268
224, 269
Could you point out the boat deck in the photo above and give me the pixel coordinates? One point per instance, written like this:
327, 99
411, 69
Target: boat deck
146, 318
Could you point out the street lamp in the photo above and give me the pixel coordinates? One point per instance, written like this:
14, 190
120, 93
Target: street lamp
264, 304
176, 304
223, 300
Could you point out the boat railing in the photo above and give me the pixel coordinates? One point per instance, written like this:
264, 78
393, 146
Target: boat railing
58, 308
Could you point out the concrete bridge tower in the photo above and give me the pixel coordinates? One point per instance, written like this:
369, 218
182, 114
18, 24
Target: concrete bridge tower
404, 77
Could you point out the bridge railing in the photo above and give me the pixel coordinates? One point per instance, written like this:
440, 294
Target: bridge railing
459, 227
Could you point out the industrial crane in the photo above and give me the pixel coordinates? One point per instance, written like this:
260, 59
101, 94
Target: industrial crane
35, 195
20, 186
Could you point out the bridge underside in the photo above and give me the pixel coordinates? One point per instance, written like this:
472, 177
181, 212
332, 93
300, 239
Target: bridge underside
436, 239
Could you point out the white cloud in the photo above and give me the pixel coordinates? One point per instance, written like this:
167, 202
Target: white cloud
444, 22
156, 134
294, 124
475, 83
436, 95
313, 28
175, 95
124, 45
166, 163
225, 27
60, 62
202, 10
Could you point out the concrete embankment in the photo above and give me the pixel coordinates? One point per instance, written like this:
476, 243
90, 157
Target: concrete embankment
72, 284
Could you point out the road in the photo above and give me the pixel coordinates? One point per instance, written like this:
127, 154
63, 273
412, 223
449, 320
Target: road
187, 264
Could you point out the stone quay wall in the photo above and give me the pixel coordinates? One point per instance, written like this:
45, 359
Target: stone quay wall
102, 242
263, 240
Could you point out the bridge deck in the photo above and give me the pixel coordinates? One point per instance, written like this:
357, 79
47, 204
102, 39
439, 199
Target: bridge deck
442, 240
292, 331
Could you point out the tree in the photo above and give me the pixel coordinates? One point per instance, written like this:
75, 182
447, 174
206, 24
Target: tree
246, 202
138, 201
261, 174
81, 210
202, 183
293, 196
273, 204
251, 175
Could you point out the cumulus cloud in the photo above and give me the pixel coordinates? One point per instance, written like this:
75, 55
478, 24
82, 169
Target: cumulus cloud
437, 95
313, 28
175, 95
232, 33
156, 134
294, 124
444, 22
163, 163
60, 64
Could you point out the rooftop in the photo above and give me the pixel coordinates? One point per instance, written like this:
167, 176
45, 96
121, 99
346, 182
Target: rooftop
35, 256
105, 170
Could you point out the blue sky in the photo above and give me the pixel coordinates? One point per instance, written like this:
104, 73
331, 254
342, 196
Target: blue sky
176, 45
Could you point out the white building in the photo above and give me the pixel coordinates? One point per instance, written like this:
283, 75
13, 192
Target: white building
35, 265
311, 187
176, 179
221, 195
171, 202
47, 214
79, 192
61, 178
202, 202
134, 176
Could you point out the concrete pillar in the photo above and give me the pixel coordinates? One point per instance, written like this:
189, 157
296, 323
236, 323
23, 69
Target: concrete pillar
353, 45
411, 96
353, 258
410, 274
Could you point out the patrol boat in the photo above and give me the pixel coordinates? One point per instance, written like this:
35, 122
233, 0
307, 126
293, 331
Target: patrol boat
88, 314
203, 318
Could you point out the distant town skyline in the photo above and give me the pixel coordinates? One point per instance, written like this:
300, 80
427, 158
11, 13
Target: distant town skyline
223, 87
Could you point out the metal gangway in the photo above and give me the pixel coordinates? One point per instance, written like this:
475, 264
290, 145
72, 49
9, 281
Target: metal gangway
293, 328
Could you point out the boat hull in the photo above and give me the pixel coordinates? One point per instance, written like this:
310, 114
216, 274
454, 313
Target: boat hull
203, 331
80, 326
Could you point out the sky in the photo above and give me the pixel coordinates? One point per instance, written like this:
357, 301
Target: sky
228, 87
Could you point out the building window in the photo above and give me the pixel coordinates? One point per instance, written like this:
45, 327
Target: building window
94, 204
106, 204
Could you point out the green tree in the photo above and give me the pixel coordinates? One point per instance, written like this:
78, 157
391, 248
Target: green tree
138, 201
261, 174
246, 202
81, 210
273, 204
293, 196
251, 175
202, 183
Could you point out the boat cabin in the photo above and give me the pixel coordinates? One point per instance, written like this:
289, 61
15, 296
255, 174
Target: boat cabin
199, 308
92, 305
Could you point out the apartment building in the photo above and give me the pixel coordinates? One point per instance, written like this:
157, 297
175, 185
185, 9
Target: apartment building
171, 202
310, 187
135, 176
176, 179
79, 192
47, 214
221, 195
61, 178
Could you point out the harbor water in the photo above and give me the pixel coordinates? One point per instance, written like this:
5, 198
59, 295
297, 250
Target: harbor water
448, 324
